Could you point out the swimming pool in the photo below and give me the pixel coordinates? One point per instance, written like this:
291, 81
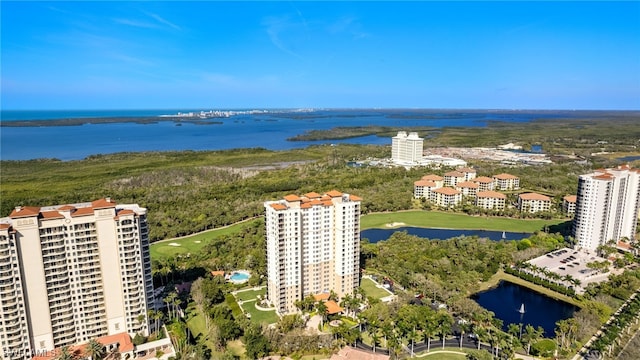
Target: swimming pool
239, 277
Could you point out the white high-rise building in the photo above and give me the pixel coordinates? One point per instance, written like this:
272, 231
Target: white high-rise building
313, 247
607, 206
406, 148
72, 273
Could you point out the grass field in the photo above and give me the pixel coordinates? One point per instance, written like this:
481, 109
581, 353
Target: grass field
439, 355
454, 221
266, 317
369, 287
191, 244
250, 294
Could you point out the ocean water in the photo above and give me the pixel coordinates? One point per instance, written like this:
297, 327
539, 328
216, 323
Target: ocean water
269, 131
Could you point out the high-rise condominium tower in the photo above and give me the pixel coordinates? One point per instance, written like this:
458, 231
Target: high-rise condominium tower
406, 148
607, 206
72, 273
313, 247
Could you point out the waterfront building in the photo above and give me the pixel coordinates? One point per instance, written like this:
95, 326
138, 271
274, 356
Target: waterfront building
506, 182
533, 202
469, 173
406, 149
313, 247
467, 188
423, 188
491, 200
452, 178
607, 205
569, 204
446, 197
484, 183
72, 273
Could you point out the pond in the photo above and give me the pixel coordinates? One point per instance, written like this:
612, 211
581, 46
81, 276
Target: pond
375, 235
506, 299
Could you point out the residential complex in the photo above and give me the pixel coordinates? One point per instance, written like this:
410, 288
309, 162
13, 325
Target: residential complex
406, 148
72, 273
450, 189
313, 247
607, 206
532, 202
506, 182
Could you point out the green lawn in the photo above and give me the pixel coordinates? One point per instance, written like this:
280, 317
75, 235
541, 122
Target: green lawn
250, 294
267, 317
369, 287
442, 356
191, 244
443, 220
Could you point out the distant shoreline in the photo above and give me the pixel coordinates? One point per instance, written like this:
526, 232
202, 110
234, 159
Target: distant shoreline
107, 120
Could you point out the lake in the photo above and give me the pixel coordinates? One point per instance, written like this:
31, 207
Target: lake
269, 130
375, 235
540, 310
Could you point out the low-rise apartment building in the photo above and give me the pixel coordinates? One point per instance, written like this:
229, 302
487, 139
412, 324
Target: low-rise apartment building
446, 197
485, 183
467, 188
506, 182
491, 200
452, 178
423, 188
469, 173
569, 204
533, 202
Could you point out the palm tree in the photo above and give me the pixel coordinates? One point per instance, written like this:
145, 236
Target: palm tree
65, 354
169, 299
445, 321
321, 307
95, 350
464, 328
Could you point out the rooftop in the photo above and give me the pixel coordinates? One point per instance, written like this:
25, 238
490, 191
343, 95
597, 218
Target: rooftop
534, 196
505, 176
491, 194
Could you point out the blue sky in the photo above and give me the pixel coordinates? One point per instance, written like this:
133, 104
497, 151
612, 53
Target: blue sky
213, 55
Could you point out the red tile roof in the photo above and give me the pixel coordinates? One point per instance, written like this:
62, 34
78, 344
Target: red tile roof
467, 184
491, 194
51, 215
504, 176
312, 195
424, 183
83, 211
482, 179
217, 272
447, 191
570, 198
4, 226
334, 193
79, 351
355, 198
277, 206
534, 196
605, 176
103, 203
332, 307
66, 208
432, 177
292, 197
454, 174
321, 297
25, 211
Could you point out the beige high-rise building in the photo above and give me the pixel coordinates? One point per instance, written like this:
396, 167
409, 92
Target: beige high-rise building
313, 247
406, 149
72, 273
607, 206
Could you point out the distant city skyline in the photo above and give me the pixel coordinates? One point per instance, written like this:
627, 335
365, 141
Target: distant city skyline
225, 55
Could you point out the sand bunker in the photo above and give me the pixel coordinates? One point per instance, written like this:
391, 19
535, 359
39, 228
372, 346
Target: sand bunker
395, 224
174, 244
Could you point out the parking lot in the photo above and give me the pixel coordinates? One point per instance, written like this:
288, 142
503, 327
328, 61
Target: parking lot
574, 263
